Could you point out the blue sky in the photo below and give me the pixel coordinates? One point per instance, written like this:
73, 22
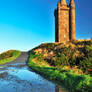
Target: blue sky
25, 24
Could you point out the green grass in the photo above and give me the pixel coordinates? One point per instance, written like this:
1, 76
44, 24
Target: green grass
9, 56
71, 80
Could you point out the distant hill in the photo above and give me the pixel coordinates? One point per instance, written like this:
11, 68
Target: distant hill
9, 56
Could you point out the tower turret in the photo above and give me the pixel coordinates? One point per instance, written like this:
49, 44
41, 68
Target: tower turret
72, 19
63, 2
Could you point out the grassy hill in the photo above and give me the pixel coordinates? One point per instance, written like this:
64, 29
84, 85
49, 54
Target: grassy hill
68, 63
9, 56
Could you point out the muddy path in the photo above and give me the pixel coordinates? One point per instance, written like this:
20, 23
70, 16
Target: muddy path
17, 77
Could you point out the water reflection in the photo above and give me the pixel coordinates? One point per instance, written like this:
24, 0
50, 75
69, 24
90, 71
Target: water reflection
59, 89
22, 80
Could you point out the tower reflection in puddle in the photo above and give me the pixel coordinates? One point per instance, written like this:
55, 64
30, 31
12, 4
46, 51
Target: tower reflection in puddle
59, 89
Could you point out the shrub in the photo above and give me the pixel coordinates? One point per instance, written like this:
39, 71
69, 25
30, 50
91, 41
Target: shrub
86, 64
40, 57
50, 45
61, 60
88, 51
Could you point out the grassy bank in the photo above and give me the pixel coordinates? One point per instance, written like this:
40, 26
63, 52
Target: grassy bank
74, 82
69, 64
9, 56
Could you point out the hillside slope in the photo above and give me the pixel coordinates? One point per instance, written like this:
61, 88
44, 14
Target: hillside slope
78, 53
68, 63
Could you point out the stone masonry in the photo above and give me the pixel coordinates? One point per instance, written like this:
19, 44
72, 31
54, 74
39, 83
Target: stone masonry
65, 21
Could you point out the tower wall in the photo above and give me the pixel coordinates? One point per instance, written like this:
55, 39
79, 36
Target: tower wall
56, 25
62, 23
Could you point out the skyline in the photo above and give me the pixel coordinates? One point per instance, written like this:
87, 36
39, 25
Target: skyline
25, 24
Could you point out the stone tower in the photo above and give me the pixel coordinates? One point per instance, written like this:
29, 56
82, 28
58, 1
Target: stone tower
65, 21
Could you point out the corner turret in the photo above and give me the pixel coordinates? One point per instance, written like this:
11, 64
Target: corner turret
72, 20
72, 3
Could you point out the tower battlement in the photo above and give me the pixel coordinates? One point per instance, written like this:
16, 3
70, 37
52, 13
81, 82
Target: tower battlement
65, 21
